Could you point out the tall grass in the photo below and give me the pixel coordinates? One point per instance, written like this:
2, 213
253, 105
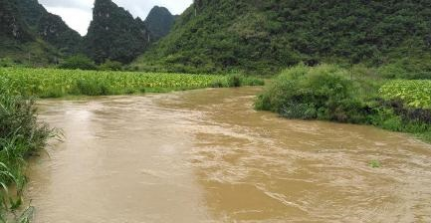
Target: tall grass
21, 135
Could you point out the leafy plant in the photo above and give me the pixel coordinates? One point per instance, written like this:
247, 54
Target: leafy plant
414, 93
375, 164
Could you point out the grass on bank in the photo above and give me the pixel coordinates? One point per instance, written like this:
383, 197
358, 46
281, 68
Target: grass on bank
350, 95
21, 135
54, 83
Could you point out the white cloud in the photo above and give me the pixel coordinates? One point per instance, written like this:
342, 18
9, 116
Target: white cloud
77, 13
81, 4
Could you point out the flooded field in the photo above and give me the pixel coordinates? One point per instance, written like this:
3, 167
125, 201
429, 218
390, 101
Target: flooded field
208, 156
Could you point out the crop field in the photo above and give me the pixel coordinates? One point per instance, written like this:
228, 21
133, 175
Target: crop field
54, 83
414, 93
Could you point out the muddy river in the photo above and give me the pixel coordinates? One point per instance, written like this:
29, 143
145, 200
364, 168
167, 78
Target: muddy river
207, 156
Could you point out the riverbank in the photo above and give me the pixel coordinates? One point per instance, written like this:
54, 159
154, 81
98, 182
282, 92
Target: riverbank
355, 95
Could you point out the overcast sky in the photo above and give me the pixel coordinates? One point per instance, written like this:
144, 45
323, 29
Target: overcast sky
77, 13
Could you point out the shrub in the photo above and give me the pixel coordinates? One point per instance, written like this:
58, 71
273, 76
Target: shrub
80, 62
235, 80
323, 92
111, 66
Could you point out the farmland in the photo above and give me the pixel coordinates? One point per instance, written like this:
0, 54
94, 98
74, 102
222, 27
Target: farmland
53, 83
414, 93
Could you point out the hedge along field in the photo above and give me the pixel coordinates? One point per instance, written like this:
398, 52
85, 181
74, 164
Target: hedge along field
53, 83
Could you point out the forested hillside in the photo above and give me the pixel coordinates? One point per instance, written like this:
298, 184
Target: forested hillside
11, 24
114, 34
51, 28
264, 36
159, 21
17, 40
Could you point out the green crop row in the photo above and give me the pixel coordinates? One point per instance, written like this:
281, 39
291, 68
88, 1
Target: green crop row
49, 83
414, 93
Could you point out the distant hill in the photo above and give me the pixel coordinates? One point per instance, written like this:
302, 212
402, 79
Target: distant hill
159, 21
114, 34
51, 28
17, 40
31, 35
264, 36
12, 25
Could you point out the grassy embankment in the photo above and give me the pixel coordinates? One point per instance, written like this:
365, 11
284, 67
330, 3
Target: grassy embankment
352, 95
21, 135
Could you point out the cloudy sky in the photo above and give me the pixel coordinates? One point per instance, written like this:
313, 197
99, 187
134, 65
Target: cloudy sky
77, 13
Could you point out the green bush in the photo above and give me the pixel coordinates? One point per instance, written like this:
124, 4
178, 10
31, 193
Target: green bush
6, 62
80, 62
353, 95
111, 66
324, 92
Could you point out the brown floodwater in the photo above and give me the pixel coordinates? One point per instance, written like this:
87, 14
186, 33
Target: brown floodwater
207, 156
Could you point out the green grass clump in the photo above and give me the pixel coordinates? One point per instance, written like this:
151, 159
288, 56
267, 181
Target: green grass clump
375, 164
51, 83
350, 95
21, 135
324, 92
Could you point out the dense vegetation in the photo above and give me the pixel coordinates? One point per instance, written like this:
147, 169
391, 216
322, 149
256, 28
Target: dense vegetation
414, 93
354, 95
20, 136
266, 36
159, 21
47, 83
114, 34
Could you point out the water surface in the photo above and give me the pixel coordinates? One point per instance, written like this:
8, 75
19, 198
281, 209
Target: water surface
207, 156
